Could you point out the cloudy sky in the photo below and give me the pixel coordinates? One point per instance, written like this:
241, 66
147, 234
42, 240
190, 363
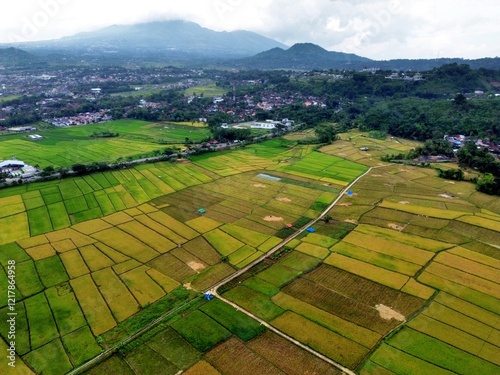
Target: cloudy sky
379, 29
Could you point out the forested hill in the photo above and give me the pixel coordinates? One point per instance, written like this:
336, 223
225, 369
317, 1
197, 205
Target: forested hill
452, 99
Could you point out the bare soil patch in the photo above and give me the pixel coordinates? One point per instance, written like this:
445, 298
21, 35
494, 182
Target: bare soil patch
283, 199
404, 202
387, 313
260, 186
196, 266
395, 226
273, 218
352, 221
345, 204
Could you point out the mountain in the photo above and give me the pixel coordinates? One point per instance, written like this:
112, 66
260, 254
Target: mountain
308, 56
16, 57
303, 56
177, 39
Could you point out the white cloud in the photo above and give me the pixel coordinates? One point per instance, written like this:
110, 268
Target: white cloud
379, 29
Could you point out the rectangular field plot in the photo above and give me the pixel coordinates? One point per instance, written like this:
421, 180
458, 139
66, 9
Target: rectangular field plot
210, 276
362, 336
366, 270
93, 305
363, 290
245, 235
65, 308
378, 259
175, 225
253, 301
439, 353
337, 304
148, 236
144, 288
288, 357
340, 349
43, 328
222, 242
172, 267
393, 361
466, 279
235, 321
126, 244
392, 248
200, 331
81, 346
51, 271
222, 357
405, 238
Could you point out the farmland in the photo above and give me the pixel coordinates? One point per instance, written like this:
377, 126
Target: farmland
102, 256
63, 147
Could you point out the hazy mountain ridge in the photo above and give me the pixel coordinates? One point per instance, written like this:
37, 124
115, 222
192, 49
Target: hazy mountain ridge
193, 45
162, 38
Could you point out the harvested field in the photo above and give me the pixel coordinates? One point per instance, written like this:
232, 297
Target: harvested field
364, 290
202, 368
334, 323
288, 357
172, 267
201, 249
222, 357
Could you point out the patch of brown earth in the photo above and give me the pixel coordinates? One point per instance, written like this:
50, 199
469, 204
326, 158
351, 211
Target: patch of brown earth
346, 204
395, 226
188, 286
387, 313
260, 186
273, 218
283, 199
196, 266
404, 202
352, 221
376, 175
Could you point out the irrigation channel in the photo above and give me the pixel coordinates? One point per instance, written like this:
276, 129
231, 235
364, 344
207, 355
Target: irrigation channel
213, 291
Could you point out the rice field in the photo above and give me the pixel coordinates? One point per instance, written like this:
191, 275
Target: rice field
112, 250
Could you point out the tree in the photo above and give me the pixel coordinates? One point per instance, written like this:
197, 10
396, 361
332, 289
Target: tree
326, 133
488, 184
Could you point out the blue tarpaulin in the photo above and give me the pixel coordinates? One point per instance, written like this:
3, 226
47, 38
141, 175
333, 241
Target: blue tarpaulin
311, 230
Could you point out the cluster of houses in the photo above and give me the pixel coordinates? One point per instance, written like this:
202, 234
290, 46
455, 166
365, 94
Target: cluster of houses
458, 141
80, 119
